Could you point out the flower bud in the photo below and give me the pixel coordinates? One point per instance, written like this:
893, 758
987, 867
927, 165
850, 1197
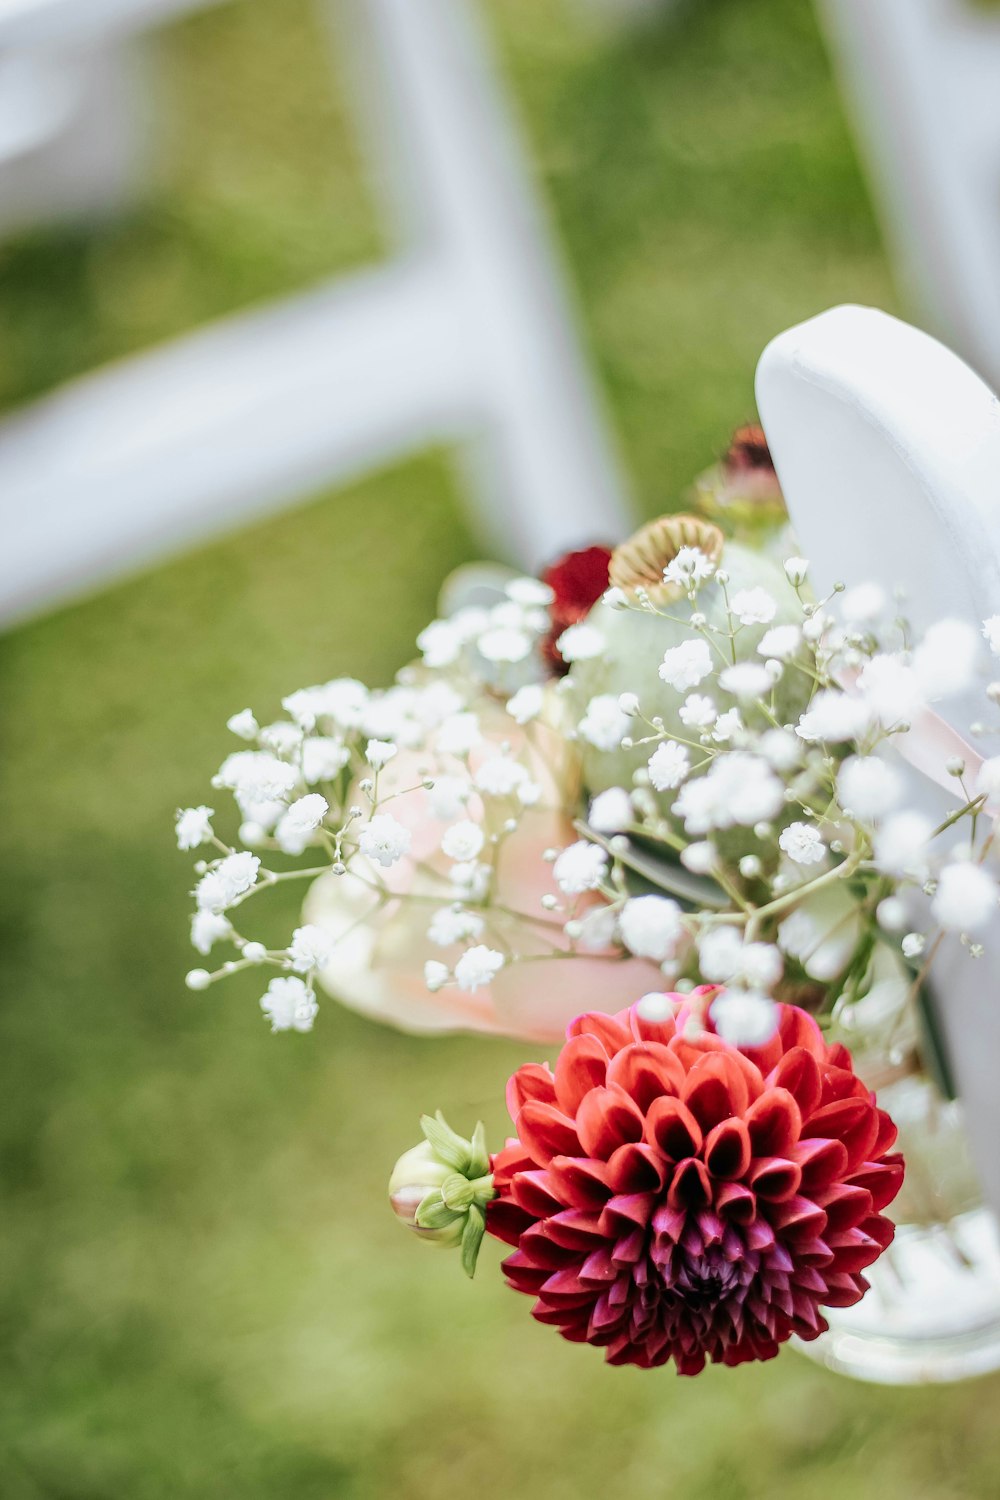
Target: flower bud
440, 1188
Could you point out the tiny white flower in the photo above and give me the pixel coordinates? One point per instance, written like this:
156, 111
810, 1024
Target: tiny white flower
529, 591
699, 858
310, 948
689, 568
650, 926
891, 688
459, 734
256, 777
863, 604
891, 914
744, 1018
991, 633
988, 778
720, 953
727, 725
526, 703
739, 788
289, 1005
384, 840
504, 643
945, 660
307, 813
668, 766
232, 876
780, 749
580, 868
453, 924
209, 928
193, 826
868, 788
500, 776
323, 758
378, 753
697, 711
796, 570
834, 717
436, 974
802, 843
753, 606
463, 841
966, 897
611, 810
747, 680
471, 879
604, 725
243, 725
913, 944
580, 642
477, 967
900, 846
597, 929
281, 738
440, 643
448, 797
761, 965
781, 642
684, 666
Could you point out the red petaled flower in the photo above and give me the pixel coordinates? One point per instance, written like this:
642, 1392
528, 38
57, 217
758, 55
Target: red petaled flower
577, 579
674, 1197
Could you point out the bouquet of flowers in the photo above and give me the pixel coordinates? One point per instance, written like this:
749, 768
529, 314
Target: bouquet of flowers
655, 808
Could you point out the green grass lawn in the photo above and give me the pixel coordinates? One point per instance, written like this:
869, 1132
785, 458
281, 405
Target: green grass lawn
202, 1293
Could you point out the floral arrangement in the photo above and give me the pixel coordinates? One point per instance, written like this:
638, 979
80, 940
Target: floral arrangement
669, 804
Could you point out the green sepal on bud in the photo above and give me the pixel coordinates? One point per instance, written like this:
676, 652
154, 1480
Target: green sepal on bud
440, 1188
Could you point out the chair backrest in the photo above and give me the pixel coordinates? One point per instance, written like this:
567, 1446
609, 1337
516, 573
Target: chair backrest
888, 450
923, 77
465, 338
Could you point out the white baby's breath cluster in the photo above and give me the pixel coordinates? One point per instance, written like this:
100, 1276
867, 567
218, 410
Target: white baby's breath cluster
342, 783
752, 822
770, 762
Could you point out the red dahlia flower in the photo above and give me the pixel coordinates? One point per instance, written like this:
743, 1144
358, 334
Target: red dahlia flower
674, 1197
577, 580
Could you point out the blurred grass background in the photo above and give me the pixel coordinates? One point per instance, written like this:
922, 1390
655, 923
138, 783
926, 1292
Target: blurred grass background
202, 1292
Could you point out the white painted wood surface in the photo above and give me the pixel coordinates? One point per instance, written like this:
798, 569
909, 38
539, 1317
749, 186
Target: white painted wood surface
467, 338
923, 84
888, 450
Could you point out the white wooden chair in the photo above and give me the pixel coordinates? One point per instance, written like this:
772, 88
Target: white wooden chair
923, 77
465, 338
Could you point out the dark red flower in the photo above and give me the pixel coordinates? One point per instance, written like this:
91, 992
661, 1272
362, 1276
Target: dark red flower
674, 1197
748, 452
577, 579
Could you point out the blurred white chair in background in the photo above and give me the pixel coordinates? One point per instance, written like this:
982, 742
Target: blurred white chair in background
923, 77
466, 339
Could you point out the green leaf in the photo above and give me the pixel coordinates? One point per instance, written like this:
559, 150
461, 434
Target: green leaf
472, 1239
661, 872
452, 1149
433, 1213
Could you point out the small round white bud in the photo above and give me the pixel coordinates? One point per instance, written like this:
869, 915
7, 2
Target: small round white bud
338, 867
618, 844
629, 704
252, 834
698, 620
366, 784
573, 929
654, 1007
197, 979
763, 831
200, 866
993, 692
550, 902
955, 766
627, 742
550, 856
721, 576
773, 668
750, 866
891, 914
255, 952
